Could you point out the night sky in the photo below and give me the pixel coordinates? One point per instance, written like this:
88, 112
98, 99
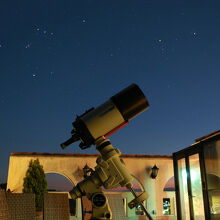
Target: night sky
60, 58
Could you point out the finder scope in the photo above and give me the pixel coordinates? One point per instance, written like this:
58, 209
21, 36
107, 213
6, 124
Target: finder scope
108, 117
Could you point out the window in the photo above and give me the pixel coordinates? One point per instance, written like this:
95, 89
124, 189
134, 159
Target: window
139, 210
166, 206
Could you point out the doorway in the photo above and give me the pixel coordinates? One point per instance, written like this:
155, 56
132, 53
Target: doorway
190, 186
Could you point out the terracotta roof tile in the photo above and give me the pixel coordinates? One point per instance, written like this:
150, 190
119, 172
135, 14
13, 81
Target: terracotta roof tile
208, 136
84, 155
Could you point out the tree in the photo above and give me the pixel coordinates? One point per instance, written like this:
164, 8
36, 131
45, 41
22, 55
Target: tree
35, 182
3, 186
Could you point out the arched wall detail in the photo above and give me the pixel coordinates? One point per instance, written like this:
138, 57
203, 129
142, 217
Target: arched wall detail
70, 167
169, 183
62, 174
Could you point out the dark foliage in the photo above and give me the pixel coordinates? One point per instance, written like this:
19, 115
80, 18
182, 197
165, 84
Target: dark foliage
35, 182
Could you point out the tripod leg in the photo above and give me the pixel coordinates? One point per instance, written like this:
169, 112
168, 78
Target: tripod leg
140, 203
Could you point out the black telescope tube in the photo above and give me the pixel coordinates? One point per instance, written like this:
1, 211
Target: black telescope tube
130, 102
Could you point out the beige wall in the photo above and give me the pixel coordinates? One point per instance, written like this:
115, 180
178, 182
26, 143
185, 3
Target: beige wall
70, 165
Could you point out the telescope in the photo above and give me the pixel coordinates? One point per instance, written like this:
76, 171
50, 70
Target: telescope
92, 128
108, 117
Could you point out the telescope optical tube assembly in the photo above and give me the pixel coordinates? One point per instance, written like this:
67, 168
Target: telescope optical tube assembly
108, 117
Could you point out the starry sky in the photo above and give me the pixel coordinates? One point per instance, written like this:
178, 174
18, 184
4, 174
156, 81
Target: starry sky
60, 58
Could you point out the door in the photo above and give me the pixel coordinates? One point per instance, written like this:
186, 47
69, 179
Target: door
183, 189
196, 187
190, 188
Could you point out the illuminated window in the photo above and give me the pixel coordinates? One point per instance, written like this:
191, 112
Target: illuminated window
166, 206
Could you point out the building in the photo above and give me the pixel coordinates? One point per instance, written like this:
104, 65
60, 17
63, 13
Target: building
197, 179
194, 195
161, 201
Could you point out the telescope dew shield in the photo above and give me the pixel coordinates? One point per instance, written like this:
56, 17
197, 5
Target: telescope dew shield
131, 102
110, 116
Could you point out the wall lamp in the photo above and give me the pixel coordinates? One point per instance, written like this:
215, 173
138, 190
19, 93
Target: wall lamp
154, 172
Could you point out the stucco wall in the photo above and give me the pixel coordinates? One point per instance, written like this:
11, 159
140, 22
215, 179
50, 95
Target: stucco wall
70, 165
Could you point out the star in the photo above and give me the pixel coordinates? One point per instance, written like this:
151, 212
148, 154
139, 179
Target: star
83, 20
34, 75
194, 34
28, 46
